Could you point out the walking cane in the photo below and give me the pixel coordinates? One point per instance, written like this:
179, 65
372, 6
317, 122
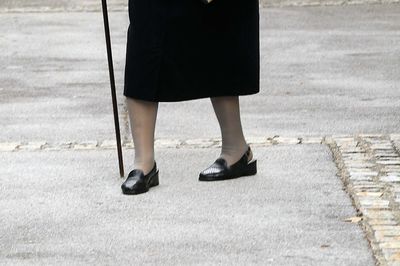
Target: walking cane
112, 83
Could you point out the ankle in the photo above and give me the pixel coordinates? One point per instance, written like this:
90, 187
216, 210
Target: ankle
146, 167
233, 155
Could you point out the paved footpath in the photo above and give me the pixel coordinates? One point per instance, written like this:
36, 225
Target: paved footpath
324, 128
325, 70
66, 206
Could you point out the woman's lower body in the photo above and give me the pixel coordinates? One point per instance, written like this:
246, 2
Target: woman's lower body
143, 115
184, 50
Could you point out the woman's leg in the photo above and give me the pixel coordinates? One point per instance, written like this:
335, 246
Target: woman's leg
227, 111
142, 117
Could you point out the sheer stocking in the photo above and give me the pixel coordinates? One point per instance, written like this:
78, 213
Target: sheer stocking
227, 111
142, 117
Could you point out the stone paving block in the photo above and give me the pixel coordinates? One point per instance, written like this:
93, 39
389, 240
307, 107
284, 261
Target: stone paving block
362, 172
371, 136
388, 151
390, 254
167, 143
369, 194
390, 239
257, 140
65, 145
361, 177
379, 214
387, 228
9, 146
350, 148
382, 147
390, 178
365, 205
128, 144
395, 256
365, 187
394, 136
391, 168
201, 143
311, 140
362, 157
390, 157
396, 144
386, 233
353, 151
86, 145
32, 146
390, 164
285, 140
382, 222
390, 244
108, 144
383, 156
340, 139
392, 263
359, 165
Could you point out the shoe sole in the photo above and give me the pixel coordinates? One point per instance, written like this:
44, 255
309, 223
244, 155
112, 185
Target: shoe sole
251, 169
154, 181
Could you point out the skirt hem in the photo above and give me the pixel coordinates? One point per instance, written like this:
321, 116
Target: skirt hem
189, 98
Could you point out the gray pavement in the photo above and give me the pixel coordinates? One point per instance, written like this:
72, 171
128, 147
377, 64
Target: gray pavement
95, 5
325, 70
60, 5
66, 207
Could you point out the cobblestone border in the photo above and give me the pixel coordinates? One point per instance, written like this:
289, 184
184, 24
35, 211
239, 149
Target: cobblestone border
369, 166
162, 143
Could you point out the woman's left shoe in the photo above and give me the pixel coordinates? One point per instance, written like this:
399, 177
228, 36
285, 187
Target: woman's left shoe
220, 170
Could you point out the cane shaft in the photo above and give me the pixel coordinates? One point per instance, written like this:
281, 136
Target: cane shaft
112, 83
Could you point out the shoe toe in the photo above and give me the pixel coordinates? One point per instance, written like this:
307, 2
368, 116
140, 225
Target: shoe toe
212, 170
129, 185
134, 183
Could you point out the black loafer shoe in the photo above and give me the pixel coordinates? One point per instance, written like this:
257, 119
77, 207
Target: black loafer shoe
137, 182
220, 170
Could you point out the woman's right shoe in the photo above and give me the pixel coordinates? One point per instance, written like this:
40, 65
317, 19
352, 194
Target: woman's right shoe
137, 182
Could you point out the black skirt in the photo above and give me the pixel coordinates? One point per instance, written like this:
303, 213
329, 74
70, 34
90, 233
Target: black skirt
183, 49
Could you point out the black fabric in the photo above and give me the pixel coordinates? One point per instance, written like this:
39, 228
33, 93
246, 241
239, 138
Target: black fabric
184, 49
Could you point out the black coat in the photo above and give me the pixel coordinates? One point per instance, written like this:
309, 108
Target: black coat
183, 49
